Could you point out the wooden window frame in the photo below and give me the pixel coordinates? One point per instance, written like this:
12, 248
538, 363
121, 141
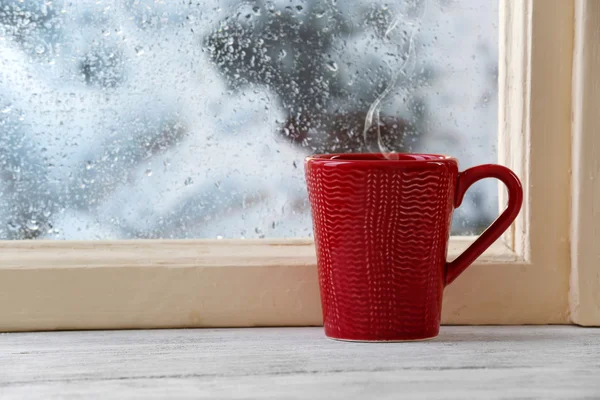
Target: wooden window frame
585, 189
544, 271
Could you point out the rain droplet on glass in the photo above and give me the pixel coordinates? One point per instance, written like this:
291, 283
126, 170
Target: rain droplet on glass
32, 225
332, 66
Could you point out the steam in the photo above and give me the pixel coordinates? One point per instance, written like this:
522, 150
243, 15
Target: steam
407, 65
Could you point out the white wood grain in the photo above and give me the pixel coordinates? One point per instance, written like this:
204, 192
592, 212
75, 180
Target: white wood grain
585, 209
300, 363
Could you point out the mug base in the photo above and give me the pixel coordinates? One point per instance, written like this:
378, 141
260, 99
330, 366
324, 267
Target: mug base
425, 339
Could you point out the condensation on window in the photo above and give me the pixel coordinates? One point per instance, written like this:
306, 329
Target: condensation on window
191, 119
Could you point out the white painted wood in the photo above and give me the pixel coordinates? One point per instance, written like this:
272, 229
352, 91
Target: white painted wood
154, 284
513, 111
535, 72
534, 121
548, 148
300, 363
585, 226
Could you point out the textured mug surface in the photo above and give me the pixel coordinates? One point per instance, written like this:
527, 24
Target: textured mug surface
381, 225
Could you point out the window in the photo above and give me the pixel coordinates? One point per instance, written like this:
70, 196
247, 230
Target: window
177, 283
177, 120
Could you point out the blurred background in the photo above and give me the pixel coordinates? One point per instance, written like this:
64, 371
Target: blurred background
190, 119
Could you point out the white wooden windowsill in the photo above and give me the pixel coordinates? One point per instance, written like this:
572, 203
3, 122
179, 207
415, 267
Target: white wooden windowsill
554, 362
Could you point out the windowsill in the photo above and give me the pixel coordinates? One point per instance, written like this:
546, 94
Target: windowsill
463, 362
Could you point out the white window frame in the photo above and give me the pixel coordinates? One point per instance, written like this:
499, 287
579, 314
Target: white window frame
545, 269
585, 191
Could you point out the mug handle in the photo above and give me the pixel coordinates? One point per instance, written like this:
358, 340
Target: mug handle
493, 232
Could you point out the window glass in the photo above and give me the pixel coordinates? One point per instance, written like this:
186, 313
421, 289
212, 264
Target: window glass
191, 119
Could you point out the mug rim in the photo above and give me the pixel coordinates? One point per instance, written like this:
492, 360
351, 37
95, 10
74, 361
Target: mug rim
381, 158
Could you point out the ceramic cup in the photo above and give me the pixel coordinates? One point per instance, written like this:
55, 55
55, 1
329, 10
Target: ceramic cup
381, 226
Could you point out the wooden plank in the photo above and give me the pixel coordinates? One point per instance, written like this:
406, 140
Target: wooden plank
548, 148
186, 253
463, 362
514, 92
585, 214
211, 284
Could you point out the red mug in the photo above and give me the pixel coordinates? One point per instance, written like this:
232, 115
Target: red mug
381, 225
